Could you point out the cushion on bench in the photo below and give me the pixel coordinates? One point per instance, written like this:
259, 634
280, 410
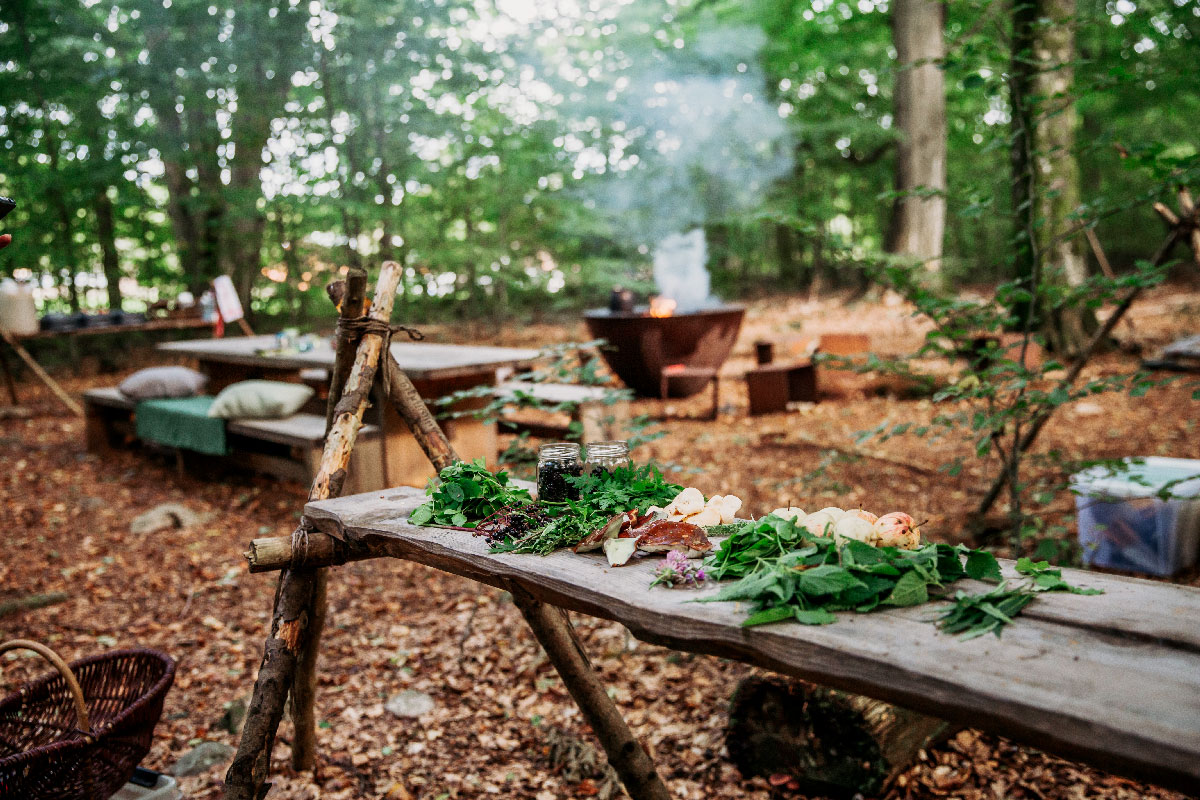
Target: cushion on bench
182, 422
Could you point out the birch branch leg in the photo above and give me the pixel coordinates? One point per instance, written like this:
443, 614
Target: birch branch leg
554, 632
296, 593
304, 685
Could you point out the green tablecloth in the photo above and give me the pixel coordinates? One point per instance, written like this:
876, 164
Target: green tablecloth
182, 422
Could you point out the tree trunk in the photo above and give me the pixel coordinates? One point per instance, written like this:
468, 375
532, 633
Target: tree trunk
919, 212
1057, 171
1020, 89
827, 742
106, 233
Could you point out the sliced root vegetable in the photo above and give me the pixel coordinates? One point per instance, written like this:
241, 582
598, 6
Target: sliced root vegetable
689, 501
706, 518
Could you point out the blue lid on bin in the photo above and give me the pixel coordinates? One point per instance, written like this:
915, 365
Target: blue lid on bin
1140, 477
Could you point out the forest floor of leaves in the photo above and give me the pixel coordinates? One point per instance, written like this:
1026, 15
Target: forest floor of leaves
395, 626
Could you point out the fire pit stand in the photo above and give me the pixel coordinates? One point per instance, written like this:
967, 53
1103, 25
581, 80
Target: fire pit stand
641, 346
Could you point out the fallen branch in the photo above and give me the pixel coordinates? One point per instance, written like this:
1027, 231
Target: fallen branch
32, 601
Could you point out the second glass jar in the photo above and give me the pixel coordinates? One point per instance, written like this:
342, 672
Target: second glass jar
606, 456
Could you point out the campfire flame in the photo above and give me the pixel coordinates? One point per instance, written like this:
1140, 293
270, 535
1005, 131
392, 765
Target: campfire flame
662, 306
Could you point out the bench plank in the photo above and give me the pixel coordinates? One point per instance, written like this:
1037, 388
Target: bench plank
109, 396
298, 430
1113, 679
554, 392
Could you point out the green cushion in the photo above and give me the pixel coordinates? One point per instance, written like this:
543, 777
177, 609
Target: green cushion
260, 400
181, 422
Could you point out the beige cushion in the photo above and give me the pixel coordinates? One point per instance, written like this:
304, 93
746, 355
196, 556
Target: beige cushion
260, 400
158, 382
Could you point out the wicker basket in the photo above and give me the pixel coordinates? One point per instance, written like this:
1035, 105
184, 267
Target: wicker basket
80, 733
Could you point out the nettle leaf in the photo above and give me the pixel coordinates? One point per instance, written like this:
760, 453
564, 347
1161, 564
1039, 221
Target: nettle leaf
767, 615
911, 590
814, 616
827, 579
747, 588
982, 566
421, 515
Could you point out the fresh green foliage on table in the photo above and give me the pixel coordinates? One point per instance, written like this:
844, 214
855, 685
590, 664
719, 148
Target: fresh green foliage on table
602, 495
624, 489
466, 493
575, 520
784, 573
973, 615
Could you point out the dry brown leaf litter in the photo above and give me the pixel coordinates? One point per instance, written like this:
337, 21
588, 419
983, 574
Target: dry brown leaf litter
499, 705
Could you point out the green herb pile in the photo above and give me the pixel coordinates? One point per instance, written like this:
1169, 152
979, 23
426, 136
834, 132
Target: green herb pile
465, 494
785, 573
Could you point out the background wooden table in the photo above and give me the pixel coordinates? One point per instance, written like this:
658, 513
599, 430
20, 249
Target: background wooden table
435, 369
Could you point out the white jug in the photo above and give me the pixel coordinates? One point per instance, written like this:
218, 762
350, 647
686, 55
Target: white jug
18, 313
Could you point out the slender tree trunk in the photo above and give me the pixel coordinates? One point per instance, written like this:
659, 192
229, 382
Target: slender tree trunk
1057, 171
919, 213
106, 234
1020, 86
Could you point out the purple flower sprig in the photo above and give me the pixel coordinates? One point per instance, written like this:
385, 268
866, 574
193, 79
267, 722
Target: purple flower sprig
678, 571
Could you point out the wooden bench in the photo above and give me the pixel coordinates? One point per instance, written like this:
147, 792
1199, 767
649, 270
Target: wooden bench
1111, 679
288, 448
107, 419
593, 407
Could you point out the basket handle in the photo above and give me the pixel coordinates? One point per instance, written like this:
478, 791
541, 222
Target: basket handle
64, 670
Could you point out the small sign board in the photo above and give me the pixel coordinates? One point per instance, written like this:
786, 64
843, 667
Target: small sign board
228, 304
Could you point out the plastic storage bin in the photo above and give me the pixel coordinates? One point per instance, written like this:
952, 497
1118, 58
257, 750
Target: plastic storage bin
1124, 524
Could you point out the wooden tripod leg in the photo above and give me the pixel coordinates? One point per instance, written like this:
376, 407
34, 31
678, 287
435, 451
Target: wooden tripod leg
554, 632
42, 375
297, 591
304, 684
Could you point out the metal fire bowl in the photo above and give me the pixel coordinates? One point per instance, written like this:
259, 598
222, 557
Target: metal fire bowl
639, 346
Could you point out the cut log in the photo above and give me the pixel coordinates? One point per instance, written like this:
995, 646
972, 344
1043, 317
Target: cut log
826, 742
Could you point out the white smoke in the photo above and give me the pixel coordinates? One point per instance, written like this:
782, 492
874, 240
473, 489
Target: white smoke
680, 269
712, 144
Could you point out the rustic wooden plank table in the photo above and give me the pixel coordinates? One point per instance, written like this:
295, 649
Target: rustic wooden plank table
1112, 679
436, 370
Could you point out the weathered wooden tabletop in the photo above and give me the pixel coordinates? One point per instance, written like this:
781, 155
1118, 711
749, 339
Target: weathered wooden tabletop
1113, 679
420, 360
